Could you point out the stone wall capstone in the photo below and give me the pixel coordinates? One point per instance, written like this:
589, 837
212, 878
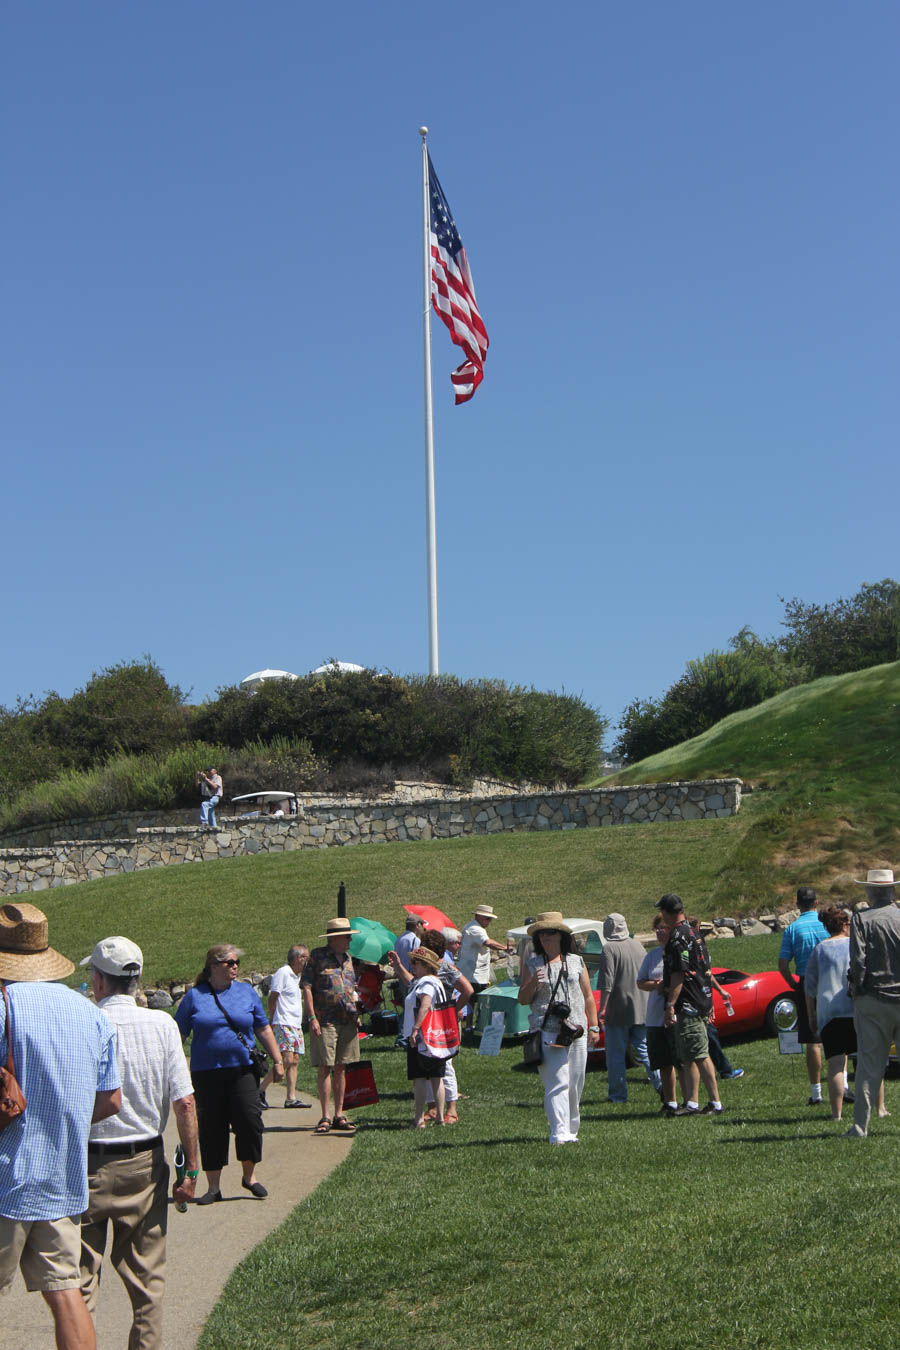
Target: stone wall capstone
64, 863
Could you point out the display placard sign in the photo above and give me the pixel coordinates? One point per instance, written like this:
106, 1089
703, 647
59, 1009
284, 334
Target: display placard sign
492, 1036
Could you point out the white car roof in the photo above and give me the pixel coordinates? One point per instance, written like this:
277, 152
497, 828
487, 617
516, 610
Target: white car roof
576, 925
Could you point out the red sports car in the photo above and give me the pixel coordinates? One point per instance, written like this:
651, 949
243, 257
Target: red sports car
753, 998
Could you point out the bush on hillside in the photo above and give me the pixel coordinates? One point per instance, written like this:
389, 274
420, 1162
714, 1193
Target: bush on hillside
484, 727
718, 684
126, 709
846, 635
822, 640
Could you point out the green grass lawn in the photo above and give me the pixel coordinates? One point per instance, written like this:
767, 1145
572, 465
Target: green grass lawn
263, 903
761, 1229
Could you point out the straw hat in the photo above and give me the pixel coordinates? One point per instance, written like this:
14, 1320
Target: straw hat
338, 928
877, 876
25, 951
551, 918
484, 912
427, 957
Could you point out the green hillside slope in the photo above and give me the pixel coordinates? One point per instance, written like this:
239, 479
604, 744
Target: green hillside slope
825, 760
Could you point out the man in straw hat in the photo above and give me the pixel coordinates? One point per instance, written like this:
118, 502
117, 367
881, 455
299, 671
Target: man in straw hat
474, 960
331, 1001
128, 1178
875, 989
64, 1055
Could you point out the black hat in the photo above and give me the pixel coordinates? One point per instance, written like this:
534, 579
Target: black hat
670, 903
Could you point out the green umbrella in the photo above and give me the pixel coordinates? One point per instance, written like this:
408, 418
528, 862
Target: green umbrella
360, 922
369, 945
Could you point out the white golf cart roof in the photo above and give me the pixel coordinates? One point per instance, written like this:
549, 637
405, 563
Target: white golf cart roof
265, 797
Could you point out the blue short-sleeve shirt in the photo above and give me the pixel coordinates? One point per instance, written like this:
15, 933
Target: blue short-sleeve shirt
215, 1045
64, 1052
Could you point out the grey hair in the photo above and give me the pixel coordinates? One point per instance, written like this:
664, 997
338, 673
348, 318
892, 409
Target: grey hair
119, 984
295, 951
451, 934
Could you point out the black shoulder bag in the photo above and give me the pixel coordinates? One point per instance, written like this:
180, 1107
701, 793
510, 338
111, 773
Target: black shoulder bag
259, 1060
533, 1049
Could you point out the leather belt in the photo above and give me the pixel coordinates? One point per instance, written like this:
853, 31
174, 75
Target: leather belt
125, 1148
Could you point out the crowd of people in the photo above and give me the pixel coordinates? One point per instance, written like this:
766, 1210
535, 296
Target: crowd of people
85, 1159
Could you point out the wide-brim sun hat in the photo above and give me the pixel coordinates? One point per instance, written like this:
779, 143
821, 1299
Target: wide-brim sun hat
426, 956
25, 951
484, 912
339, 928
550, 919
877, 876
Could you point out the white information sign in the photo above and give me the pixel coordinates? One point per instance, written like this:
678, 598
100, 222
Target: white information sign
492, 1036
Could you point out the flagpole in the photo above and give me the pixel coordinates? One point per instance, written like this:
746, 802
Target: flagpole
430, 526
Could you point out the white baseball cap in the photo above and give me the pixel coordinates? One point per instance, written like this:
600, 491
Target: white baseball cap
116, 956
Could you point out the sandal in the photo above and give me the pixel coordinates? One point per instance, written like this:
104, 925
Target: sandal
323, 1127
344, 1125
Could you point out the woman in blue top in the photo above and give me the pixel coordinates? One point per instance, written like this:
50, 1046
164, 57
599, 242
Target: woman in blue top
226, 1089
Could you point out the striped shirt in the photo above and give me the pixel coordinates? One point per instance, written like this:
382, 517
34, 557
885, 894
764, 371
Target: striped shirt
63, 1049
152, 1066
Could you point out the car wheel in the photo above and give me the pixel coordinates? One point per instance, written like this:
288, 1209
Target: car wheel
769, 1021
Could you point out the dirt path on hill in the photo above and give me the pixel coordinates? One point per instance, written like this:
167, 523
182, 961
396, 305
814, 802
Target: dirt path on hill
205, 1244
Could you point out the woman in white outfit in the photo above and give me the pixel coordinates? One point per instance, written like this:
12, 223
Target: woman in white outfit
554, 976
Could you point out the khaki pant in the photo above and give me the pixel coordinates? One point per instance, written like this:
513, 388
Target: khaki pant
132, 1195
877, 1024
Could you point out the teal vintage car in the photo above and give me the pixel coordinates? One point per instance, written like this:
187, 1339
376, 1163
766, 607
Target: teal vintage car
504, 997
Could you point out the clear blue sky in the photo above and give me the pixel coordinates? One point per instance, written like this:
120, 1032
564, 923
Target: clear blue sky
682, 222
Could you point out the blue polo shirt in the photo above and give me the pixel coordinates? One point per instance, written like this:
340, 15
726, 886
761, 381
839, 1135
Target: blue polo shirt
800, 938
64, 1052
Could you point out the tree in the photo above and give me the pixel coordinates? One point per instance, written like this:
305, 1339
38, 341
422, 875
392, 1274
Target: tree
846, 635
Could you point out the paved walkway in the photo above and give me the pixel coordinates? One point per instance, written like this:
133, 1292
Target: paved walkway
205, 1244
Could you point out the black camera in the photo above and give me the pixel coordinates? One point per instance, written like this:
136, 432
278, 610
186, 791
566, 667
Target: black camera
558, 1009
569, 1032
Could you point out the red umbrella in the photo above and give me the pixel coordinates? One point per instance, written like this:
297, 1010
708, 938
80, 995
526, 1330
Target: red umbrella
434, 918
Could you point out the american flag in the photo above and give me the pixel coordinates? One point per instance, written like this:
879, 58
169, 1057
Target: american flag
453, 292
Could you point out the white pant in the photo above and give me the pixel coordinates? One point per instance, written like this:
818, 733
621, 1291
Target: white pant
562, 1074
451, 1092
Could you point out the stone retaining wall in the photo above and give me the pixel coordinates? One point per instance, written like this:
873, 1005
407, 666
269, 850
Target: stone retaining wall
125, 824
66, 862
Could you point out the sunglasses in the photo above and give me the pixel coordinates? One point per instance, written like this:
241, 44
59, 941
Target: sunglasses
551, 932
228, 961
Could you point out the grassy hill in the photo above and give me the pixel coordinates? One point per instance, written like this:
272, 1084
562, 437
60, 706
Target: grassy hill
263, 903
825, 760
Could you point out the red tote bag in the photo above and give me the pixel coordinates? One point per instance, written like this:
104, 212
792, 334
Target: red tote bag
360, 1089
439, 1032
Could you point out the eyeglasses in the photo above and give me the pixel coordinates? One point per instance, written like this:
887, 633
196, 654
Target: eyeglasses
551, 932
228, 961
